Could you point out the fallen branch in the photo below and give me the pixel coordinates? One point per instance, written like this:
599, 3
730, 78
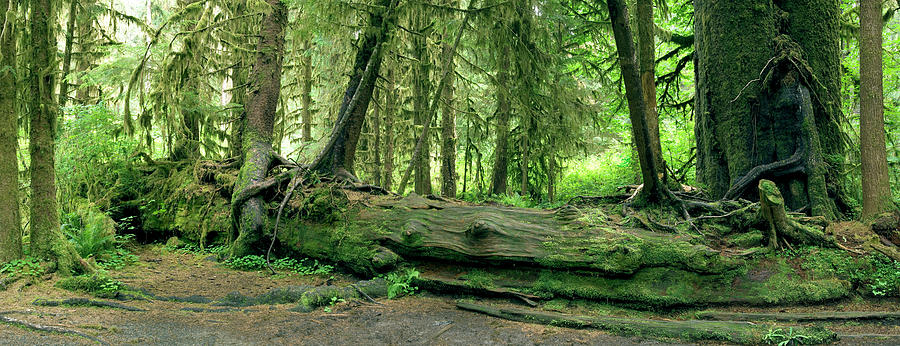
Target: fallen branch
84, 302
460, 287
51, 329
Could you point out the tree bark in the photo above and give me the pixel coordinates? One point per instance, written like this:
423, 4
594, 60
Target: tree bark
653, 191
746, 56
499, 175
47, 241
873, 154
265, 88
10, 221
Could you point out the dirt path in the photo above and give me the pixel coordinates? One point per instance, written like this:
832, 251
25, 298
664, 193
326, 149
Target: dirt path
420, 319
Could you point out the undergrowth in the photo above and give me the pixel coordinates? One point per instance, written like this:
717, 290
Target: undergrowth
303, 266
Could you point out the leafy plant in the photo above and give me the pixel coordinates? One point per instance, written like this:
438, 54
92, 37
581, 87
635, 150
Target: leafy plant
22, 267
89, 233
334, 300
400, 283
778, 336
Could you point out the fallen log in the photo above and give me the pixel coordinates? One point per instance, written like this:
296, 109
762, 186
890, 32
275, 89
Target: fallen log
800, 317
690, 330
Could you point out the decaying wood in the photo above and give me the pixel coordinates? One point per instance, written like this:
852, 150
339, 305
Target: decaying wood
730, 331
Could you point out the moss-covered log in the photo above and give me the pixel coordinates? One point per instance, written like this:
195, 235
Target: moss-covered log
729, 331
801, 317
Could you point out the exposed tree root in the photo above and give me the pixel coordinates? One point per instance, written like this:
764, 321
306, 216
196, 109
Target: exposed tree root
736, 332
50, 329
777, 168
800, 317
84, 302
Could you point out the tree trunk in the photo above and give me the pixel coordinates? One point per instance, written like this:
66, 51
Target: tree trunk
647, 62
421, 90
448, 124
749, 53
47, 241
305, 93
85, 33
265, 88
376, 145
389, 113
873, 155
238, 116
653, 191
499, 173
338, 155
10, 221
67, 54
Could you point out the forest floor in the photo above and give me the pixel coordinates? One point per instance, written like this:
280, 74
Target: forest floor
419, 319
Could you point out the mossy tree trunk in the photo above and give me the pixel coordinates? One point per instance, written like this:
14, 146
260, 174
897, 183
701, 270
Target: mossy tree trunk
265, 87
339, 154
47, 241
752, 59
876, 184
10, 223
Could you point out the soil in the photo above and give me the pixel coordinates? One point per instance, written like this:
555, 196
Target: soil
420, 319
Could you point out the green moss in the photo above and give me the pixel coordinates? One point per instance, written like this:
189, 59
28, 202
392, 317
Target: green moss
746, 240
479, 279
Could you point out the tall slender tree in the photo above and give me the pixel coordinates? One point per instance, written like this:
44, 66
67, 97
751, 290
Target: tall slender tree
10, 223
647, 62
873, 155
653, 190
265, 90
